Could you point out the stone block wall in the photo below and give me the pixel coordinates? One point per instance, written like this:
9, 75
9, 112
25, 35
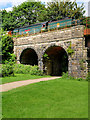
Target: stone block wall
77, 65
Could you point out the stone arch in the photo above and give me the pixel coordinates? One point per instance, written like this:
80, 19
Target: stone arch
55, 44
55, 60
29, 56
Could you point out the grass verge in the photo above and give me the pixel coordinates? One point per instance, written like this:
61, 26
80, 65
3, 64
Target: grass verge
20, 77
58, 98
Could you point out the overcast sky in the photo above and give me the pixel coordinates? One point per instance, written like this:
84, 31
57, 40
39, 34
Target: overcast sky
8, 4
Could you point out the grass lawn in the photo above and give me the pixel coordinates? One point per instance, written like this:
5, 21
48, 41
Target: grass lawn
19, 77
58, 98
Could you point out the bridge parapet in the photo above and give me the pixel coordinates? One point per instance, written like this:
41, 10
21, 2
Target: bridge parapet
56, 35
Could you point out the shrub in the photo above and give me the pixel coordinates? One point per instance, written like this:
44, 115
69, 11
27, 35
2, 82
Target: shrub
67, 76
0, 70
7, 47
22, 69
27, 69
7, 68
79, 79
88, 77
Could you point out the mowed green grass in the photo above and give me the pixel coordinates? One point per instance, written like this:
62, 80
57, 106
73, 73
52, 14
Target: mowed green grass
57, 98
19, 77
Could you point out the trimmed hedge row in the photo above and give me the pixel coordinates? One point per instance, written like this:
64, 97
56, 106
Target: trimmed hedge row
9, 69
25, 69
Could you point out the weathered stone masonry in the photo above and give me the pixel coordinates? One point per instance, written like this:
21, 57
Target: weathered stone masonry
42, 41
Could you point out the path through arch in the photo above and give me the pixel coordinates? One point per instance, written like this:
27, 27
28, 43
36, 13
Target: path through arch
55, 60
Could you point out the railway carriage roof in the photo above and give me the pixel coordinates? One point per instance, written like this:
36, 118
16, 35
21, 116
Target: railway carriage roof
41, 23
33, 24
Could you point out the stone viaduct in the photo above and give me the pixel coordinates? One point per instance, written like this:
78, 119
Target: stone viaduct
50, 51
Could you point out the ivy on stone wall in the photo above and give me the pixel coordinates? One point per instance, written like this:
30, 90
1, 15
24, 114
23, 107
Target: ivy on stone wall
81, 62
70, 51
46, 56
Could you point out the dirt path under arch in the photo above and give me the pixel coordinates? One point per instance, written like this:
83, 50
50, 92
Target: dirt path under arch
9, 86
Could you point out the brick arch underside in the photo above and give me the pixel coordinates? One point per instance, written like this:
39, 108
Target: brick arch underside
29, 57
55, 60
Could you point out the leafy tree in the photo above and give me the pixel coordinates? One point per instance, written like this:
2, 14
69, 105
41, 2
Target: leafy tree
7, 20
59, 10
6, 53
24, 14
33, 12
7, 48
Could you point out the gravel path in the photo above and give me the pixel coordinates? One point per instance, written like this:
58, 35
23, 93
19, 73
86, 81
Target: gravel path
12, 85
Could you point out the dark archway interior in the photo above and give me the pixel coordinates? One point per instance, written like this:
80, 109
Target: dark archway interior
87, 41
88, 53
87, 44
55, 61
29, 57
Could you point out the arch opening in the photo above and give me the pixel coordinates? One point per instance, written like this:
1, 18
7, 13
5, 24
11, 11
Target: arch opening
29, 57
55, 60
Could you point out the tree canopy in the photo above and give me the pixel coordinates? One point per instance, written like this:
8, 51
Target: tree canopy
6, 46
57, 10
29, 13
